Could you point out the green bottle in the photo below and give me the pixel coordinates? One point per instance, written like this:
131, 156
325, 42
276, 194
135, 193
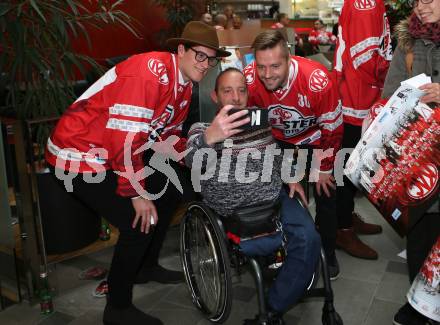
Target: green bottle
105, 230
46, 303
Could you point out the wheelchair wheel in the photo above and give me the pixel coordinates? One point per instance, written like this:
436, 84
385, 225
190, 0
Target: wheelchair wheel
206, 262
315, 277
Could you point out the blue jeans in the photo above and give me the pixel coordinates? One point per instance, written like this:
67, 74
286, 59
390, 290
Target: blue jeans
303, 248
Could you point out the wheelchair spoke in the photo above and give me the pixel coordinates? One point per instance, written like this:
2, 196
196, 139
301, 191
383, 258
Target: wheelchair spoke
203, 256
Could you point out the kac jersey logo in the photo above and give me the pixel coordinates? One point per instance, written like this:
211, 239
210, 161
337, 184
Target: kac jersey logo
425, 183
290, 120
159, 69
376, 108
318, 80
365, 4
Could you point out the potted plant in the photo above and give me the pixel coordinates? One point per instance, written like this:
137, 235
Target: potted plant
178, 14
38, 68
37, 62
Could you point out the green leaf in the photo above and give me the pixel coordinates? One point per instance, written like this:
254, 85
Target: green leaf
117, 3
85, 34
127, 26
35, 6
73, 6
5, 8
37, 53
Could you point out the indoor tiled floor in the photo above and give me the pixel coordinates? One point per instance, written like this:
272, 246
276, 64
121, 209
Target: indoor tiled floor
366, 293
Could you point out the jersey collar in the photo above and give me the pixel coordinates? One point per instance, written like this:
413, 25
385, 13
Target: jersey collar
293, 72
182, 81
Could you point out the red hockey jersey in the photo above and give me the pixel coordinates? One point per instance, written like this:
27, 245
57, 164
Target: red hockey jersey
134, 103
363, 54
318, 37
306, 111
277, 25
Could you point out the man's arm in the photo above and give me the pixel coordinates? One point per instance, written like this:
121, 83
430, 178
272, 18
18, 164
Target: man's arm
133, 103
205, 135
330, 121
196, 141
224, 125
369, 47
313, 39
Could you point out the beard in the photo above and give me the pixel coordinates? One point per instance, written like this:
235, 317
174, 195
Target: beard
272, 84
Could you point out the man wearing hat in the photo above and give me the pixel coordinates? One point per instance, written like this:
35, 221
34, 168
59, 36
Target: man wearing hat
96, 152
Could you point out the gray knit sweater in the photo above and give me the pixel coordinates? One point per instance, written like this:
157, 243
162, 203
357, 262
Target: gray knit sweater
253, 175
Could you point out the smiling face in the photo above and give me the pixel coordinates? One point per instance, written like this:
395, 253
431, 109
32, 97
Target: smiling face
272, 67
192, 69
428, 13
231, 89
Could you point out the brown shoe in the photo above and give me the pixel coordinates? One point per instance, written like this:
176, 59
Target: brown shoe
364, 228
347, 240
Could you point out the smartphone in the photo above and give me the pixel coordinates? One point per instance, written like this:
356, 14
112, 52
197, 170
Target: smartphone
258, 117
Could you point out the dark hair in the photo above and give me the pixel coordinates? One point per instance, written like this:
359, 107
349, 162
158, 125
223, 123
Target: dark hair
230, 69
281, 15
270, 39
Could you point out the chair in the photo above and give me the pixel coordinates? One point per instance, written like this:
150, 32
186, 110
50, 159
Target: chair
207, 257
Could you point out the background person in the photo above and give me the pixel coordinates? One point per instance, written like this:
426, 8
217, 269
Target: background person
283, 22
418, 51
228, 11
136, 102
206, 18
363, 55
236, 22
220, 22
320, 36
305, 113
303, 244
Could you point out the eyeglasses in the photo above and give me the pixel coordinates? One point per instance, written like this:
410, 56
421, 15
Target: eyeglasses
415, 3
201, 57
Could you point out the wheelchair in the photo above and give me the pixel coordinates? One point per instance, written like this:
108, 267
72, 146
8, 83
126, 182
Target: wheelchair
208, 256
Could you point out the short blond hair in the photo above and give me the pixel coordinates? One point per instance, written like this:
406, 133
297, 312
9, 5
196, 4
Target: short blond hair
270, 39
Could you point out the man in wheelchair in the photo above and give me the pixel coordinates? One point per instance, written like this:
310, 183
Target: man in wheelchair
239, 184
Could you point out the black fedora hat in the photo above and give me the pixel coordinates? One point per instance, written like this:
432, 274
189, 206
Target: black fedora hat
198, 33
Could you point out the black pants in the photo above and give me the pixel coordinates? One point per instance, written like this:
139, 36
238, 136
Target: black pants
133, 248
346, 193
326, 218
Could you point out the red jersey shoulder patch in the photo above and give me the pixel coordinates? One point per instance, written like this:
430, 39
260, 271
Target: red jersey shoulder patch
249, 74
158, 68
318, 80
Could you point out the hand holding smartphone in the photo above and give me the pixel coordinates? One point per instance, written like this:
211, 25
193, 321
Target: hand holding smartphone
258, 118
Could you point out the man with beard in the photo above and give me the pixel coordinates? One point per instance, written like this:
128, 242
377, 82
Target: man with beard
301, 243
305, 114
